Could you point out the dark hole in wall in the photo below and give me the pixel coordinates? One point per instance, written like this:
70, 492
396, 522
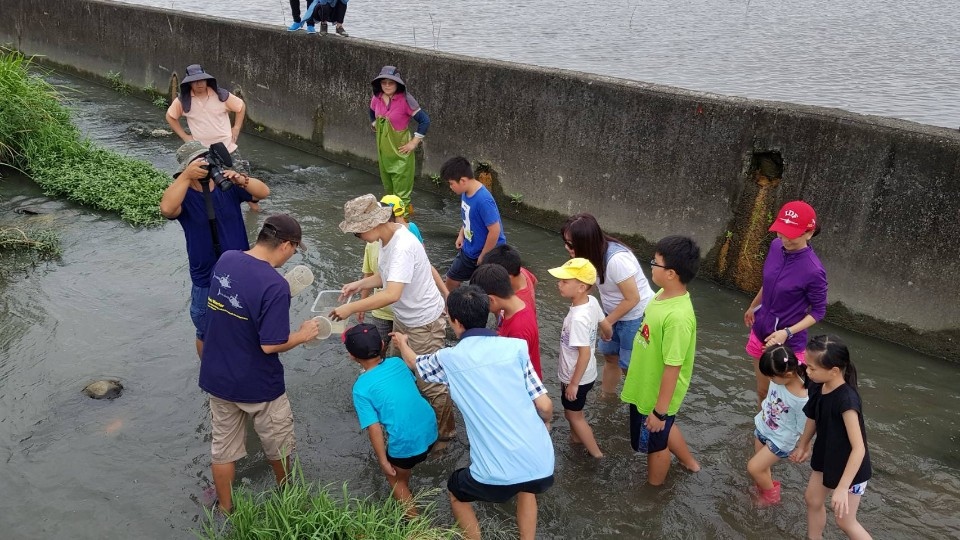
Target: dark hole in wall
768, 164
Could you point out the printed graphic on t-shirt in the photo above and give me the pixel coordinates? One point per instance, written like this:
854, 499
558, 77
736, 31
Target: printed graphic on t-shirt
645, 334
773, 409
565, 337
224, 280
233, 299
467, 231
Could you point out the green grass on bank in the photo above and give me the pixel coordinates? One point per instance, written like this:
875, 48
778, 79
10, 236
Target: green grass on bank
38, 138
306, 510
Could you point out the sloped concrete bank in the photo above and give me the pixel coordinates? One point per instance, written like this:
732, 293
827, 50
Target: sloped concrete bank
648, 160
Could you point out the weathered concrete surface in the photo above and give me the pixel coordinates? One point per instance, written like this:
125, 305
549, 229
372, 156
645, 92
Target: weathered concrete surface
647, 160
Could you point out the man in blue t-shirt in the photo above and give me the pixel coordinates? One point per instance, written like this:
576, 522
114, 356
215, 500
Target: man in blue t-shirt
505, 407
482, 229
248, 325
184, 201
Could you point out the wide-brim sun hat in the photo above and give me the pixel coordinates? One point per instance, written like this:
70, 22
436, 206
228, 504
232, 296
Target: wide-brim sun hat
390, 73
794, 220
363, 214
195, 72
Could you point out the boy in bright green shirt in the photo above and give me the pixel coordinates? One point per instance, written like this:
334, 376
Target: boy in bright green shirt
662, 360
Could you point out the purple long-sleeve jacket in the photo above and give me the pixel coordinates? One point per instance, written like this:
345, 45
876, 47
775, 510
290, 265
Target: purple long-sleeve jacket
794, 285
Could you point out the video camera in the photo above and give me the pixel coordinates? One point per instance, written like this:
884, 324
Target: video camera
218, 159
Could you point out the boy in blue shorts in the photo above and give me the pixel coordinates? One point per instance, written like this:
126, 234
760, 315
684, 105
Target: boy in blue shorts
401, 424
662, 360
481, 229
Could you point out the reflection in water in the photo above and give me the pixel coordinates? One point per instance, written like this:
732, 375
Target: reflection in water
116, 307
866, 56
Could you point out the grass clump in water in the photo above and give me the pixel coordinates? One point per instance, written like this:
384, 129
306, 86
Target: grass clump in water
37, 138
305, 510
44, 242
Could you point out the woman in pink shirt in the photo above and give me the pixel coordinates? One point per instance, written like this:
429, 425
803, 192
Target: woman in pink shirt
391, 109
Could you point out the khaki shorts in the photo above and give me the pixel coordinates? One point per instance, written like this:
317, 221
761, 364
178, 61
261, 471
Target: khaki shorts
424, 339
272, 420
428, 339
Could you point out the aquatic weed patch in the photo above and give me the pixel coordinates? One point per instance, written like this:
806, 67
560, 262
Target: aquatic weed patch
38, 138
43, 242
306, 510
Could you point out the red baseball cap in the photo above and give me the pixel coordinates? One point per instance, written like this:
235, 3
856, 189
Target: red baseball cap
794, 219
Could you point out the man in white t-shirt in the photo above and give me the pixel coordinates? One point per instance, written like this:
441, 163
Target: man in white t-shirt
406, 277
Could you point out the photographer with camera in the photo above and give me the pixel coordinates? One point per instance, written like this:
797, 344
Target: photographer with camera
205, 198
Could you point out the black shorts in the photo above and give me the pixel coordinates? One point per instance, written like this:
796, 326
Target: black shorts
640, 437
576, 405
409, 462
466, 489
462, 268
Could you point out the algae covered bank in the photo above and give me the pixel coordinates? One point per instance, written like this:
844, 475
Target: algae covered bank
647, 160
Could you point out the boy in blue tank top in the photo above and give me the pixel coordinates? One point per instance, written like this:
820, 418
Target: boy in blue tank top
400, 423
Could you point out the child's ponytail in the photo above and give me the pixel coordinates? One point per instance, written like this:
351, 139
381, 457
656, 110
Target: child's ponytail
778, 360
832, 353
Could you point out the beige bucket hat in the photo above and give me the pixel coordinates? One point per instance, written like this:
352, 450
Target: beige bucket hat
363, 214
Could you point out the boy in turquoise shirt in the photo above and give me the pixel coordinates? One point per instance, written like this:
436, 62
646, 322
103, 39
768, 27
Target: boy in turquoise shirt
399, 421
662, 360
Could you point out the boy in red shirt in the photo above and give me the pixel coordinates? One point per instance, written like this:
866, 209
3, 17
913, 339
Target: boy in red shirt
517, 319
523, 281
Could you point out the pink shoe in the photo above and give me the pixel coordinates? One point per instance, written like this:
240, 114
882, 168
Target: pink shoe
769, 497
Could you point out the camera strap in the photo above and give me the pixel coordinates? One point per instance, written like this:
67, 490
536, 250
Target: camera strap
211, 216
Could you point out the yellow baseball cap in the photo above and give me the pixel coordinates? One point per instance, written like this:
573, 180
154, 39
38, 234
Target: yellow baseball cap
394, 202
577, 268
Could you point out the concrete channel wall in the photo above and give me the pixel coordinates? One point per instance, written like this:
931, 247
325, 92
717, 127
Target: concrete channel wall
648, 160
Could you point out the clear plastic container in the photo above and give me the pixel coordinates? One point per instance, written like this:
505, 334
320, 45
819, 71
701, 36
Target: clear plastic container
326, 330
299, 277
326, 302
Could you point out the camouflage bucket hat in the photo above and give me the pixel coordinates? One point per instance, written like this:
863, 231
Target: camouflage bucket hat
364, 213
187, 153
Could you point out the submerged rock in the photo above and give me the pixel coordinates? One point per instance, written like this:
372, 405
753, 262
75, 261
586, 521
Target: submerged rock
107, 389
146, 131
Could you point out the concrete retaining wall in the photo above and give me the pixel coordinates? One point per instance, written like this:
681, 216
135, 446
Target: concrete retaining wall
647, 160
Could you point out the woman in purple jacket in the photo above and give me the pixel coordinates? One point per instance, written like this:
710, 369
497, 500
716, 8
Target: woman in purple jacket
794, 293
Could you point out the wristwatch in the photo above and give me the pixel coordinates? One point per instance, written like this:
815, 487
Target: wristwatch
661, 417
789, 333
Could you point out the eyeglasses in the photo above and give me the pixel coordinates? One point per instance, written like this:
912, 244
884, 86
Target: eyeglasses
568, 243
653, 262
357, 235
297, 245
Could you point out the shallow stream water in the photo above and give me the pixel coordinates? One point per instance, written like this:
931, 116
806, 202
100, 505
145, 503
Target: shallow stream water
115, 306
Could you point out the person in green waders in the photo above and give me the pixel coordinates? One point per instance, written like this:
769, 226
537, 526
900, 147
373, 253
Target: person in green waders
391, 109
